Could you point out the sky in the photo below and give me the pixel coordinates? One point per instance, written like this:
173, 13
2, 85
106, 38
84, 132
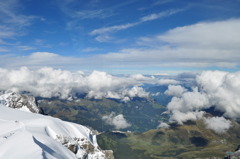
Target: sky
121, 37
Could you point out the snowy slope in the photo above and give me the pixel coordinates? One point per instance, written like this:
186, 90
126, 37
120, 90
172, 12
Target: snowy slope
25, 135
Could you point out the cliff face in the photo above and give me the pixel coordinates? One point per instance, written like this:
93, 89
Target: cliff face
32, 135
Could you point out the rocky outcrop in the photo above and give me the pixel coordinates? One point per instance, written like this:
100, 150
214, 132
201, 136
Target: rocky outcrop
19, 101
84, 149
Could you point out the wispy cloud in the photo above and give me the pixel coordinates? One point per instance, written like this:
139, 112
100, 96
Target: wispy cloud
10, 14
155, 16
13, 24
91, 49
41, 43
91, 14
79, 12
104, 31
156, 3
6, 32
25, 48
111, 29
3, 49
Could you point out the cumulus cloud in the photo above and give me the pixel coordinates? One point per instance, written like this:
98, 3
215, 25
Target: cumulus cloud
223, 91
218, 124
217, 89
174, 90
163, 125
189, 101
118, 121
49, 82
181, 117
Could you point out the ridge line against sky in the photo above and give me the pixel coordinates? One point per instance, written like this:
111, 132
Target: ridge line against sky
141, 36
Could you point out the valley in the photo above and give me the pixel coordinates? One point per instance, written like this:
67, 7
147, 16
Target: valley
143, 139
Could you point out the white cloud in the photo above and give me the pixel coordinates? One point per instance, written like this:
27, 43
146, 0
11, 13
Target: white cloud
181, 117
103, 38
155, 16
91, 14
189, 101
218, 124
3, 49
13, 23
175, 90
222, 89
49, 82
10, 14
6, 32
91, 49
102, 33
167, 81
163, 125
118, 121
211, 35
140, 77
12, 19
136, 92
178, 48
25, 48
214, 88
37, 60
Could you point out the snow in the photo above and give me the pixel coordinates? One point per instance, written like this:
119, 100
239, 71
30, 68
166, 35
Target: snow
26, 135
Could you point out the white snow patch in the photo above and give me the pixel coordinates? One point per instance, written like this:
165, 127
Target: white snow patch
30, 135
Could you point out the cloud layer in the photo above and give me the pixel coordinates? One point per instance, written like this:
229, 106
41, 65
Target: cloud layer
217, 89
197, 45
49, 82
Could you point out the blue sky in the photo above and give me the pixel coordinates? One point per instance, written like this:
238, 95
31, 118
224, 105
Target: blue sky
128, 36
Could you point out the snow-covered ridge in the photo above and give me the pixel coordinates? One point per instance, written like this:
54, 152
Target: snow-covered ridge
26, 135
